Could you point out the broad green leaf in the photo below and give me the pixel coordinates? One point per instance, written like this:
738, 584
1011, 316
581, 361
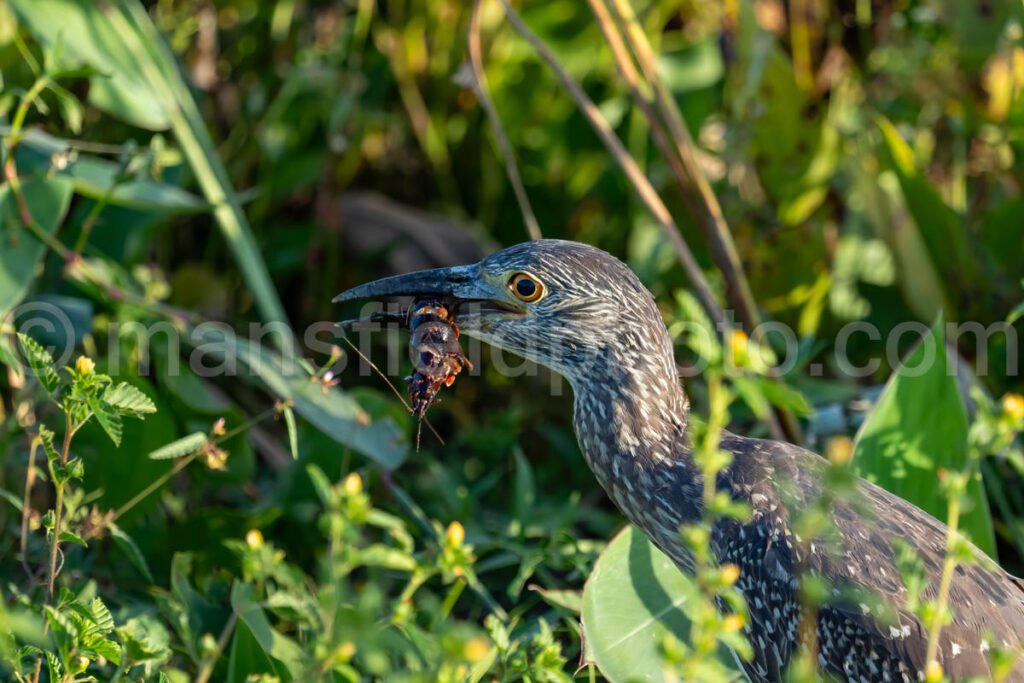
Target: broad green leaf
128, 546
183, 446
20, 252
273, 644
918, 427
88, 35
634, 595
108, 418
335, 414
41, 362
128, 400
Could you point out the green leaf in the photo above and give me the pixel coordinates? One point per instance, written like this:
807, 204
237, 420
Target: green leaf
335, 414
273, 644
97, 178
71, 537
917, 427
183, 446
12, 499
128, 400
128, 546
569, 600
108, 418
41, 362
293, 436
89, 36
634, 595
20, 252
941, 229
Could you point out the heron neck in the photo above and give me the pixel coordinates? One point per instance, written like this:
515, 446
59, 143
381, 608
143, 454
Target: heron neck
631, 417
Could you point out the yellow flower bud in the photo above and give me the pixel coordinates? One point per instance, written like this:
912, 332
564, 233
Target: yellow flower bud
476, 649
254, 539
739, 343
456, 534
839, 450
730, 574
353, 484
933, 672
85, 365
346, 651
1013, 404
733, 623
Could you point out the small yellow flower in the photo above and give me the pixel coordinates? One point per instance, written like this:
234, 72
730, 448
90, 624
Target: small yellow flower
85, 365
733, 623
456, 534
738, 342
839, 450
345, 652
254, 539
933, 672
1013, 404
353, 484
214, 457
219, 427
476, 649
730, 574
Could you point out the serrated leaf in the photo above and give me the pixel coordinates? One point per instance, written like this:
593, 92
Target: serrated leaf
41, 362
108, 418
183, 446
102, 619
129, 400
46, 438
128, 546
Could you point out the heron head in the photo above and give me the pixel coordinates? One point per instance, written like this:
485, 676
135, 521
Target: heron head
562, 304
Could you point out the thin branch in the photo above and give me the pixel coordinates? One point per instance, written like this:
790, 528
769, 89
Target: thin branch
716, 229
629, 166
504, 147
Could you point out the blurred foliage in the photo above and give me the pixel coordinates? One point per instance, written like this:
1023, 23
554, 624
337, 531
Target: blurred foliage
866, 156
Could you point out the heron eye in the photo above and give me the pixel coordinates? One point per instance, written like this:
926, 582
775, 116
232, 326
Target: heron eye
526, 287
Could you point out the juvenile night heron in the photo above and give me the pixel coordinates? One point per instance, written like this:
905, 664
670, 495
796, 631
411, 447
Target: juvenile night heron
584, 314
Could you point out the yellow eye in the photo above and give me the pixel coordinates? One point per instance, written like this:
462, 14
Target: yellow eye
526, 287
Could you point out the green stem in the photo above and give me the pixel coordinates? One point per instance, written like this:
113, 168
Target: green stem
948, 568
23, 108
206, 670
58, 509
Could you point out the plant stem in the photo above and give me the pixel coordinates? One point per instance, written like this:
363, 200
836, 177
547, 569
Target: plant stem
154, 485
59, 508
23, 108
628, 164
948, 568
504, 147
206, 670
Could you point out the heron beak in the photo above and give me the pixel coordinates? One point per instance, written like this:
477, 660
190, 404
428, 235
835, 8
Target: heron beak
475, 299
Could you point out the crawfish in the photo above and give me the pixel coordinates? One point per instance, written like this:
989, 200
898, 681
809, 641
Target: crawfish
434, 346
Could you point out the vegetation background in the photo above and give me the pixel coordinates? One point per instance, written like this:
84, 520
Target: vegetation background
186, 161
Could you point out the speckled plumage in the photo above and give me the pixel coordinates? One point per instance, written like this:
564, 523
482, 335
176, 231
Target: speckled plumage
600, 328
